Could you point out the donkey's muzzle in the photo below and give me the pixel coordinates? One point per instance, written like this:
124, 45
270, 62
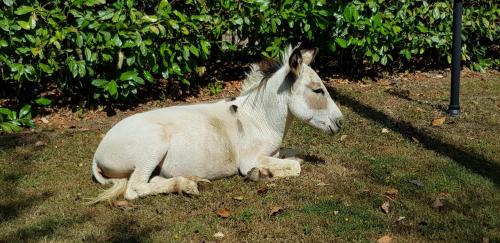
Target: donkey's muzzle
336, 125
339, 122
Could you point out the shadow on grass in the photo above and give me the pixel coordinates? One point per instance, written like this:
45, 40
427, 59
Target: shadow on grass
476, 163
22, 139
124, 228
13, 208
45, 227
14, 200
313, 159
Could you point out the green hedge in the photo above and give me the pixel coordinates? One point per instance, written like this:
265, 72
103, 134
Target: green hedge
104, 51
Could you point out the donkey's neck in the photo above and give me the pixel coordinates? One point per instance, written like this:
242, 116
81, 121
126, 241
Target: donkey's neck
269, 106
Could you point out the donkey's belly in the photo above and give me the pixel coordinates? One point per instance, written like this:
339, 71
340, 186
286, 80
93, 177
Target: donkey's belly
210, 171
201, 150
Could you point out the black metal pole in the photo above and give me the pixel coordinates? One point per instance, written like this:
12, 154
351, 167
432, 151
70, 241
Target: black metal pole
456, 56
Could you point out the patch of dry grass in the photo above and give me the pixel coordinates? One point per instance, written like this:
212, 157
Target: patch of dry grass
337, 197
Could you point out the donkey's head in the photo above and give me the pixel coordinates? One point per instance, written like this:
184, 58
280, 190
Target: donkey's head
310, 100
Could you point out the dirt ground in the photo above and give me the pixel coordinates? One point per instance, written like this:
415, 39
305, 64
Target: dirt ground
389, 175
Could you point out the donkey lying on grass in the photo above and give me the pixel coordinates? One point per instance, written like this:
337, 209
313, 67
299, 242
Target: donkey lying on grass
172, 149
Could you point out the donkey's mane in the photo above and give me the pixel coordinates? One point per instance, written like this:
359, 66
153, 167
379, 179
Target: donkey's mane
262, 71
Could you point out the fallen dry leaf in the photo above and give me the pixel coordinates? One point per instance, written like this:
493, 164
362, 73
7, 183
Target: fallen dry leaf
416, 183
391, 192
385, 130
384, 239
219, 235
385, 207
275, 210
343, 137
437, 204
44, 120
437, 122
238, 198
262, 190
419, 109
122, 204
223, 212
40, 143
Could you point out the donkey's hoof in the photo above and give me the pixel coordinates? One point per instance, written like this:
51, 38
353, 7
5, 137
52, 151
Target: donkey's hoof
187, 186
130, 195
253, 174
259, 174
203, 184
198, 179
295, 169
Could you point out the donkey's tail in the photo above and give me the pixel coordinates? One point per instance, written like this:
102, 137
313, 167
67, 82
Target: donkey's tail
118, 188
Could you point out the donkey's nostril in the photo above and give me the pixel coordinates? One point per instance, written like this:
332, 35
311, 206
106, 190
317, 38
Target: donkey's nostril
340, 122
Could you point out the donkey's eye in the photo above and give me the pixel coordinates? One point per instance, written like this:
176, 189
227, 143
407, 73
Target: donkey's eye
319, 91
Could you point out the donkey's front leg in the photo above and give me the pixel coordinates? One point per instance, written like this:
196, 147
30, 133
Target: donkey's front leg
267, 168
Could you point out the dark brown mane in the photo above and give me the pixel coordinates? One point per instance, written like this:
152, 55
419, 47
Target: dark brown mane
262, 71
268, 67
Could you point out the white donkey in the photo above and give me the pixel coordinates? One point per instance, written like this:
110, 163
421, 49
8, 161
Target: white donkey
172, 149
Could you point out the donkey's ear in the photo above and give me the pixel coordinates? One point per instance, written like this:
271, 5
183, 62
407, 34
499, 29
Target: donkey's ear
295, 61
308, 55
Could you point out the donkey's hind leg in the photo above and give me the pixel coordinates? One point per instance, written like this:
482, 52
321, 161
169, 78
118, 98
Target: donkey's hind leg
151, 158
159, 185
267, 168
176, 184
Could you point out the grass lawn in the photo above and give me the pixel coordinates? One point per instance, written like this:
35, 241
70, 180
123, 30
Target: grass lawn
438, 183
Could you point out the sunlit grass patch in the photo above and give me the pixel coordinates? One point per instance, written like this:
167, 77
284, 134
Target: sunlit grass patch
440, 195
